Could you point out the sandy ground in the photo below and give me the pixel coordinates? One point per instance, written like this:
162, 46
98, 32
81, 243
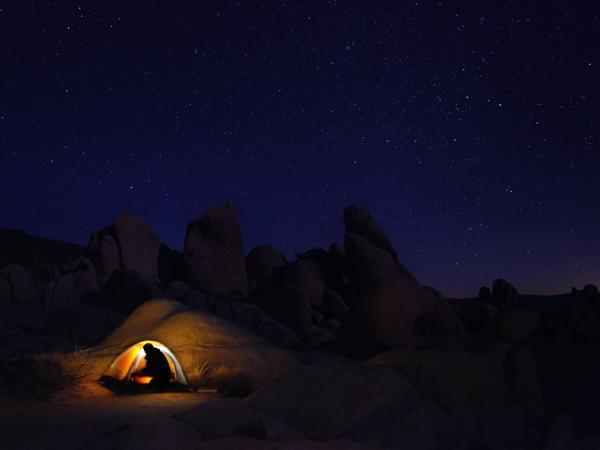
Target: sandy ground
76, 419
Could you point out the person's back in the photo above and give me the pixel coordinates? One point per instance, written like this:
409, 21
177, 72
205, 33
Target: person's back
157, 367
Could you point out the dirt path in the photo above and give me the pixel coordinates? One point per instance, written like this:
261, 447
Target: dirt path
76, 419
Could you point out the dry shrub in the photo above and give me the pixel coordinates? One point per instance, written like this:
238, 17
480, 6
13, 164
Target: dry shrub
42, 376
199, 376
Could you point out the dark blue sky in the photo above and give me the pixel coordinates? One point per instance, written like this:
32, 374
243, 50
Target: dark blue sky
470, 129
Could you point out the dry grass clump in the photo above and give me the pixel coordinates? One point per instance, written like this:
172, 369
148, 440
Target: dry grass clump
199, 376
42, 376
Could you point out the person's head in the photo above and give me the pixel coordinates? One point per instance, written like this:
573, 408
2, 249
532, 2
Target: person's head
148, 347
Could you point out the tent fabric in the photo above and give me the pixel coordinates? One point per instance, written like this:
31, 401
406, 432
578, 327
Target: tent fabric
132, 360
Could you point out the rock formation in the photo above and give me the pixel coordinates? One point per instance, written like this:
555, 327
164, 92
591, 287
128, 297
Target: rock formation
260, 263
129, 244
213, 253
17, 287
390, 307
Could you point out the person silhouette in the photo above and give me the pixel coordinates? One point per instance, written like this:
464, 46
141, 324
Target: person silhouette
157, 367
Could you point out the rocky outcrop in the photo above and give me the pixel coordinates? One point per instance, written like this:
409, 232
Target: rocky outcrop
43, 259
517, 325
213, 253
160, 434
582, 312
504, 295
400, 312
298, 296
389, 307
331, 264
324, 401
124, 291
260, 263
18, 319
17, 287
368, 251
307, 277
366, 263
224, 418
359, 221
334, 305
20, 306
71, 288
493, 398
412, 424
245, 315
290, 305
130, 244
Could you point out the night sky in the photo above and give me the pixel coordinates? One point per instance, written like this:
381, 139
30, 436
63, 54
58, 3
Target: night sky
471, 130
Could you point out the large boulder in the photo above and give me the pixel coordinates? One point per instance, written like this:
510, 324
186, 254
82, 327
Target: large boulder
517, 325
400, 312
170, 265
72, 287
412, 424
331, 264
17, 287
261, 261
124, 291
334, 305
41, 258
324, 401
308, 277
220, 418
214, 254
147, 435
359, 221
366, 263
139, 245
184, 293
245, 315
492, 398
130, 244
290, 305
504, 295
368, 251
20, 319
581, 313
197, 338
105, 255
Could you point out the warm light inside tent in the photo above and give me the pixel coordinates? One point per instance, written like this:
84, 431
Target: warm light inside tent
132, 361
141, 379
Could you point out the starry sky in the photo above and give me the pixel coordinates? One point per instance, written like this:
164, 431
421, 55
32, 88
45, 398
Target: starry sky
470, 129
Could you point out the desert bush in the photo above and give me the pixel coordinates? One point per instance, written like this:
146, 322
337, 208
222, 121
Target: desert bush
41, 376
199, 376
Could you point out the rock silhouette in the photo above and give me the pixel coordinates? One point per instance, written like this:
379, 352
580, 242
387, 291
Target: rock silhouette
340, 343
213, 253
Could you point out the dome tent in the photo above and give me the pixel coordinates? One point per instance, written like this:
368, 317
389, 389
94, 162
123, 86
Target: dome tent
132, 360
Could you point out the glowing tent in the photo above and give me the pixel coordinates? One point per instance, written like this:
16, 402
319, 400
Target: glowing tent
132, 360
